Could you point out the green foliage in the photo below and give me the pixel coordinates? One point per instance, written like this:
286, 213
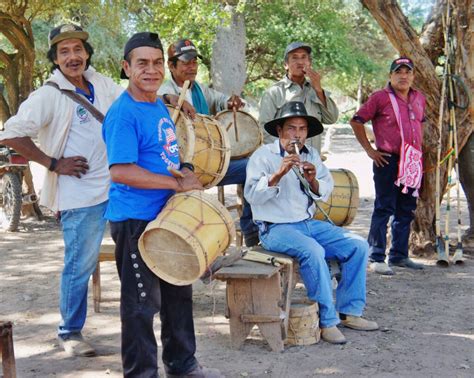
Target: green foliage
176, 19
346, 41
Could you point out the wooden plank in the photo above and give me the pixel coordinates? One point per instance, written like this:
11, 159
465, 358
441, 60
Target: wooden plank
239, 301
246, 270
7, 350
251, 318
266, 295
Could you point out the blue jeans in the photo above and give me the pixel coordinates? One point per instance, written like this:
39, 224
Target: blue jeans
236, 174
83, 230
311, 242
390, 201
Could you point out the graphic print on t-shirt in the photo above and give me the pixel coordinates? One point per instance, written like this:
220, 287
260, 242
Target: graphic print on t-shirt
167, 137
82, 114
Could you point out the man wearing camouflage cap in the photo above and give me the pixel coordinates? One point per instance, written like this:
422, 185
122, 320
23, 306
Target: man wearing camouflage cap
183, 65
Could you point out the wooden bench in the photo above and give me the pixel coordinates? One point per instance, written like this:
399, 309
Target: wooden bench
7, 350
258, 294
107, 253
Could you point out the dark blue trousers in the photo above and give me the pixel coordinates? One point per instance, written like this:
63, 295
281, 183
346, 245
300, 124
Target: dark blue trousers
390, 202
142, 295
236, 174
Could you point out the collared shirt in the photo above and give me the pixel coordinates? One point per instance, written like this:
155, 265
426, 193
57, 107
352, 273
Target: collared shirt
285, 202
285, 91
47, 114
216, 100
379, 110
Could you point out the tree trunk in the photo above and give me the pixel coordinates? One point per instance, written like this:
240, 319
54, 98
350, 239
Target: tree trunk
228, 68
425, 54
17, 73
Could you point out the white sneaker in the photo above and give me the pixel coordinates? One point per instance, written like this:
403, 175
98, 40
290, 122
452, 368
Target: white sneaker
381, 268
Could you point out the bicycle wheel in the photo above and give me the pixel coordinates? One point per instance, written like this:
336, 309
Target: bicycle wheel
11, 190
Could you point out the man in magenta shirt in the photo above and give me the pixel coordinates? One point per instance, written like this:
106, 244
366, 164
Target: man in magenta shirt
389, 198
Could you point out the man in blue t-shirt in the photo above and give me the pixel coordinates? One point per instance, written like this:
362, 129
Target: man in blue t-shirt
141, 149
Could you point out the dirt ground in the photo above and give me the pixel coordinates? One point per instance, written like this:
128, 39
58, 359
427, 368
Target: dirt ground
425, 317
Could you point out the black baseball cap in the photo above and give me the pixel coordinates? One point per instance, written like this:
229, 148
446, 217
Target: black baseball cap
66, 31
183, 50
402, 61
139, 40
296, 45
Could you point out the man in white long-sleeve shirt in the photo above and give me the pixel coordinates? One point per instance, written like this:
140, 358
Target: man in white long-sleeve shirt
77, 181
284, 179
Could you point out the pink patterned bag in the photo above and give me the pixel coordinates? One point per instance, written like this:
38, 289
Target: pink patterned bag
410, 166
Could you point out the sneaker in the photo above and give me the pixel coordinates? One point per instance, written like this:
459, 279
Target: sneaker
75, 345
333, 335
359, 323
381, 268
251, 239
199, 372
407, 263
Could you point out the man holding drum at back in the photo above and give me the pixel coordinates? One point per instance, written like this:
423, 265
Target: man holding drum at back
141, 150
284, 179
183, 65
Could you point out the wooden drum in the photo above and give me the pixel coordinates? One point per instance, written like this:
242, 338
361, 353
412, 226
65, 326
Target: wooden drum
187, 236
204, 143
344, 200
303, 325
249, 133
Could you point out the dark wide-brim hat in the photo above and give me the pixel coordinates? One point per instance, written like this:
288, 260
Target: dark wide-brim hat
294, 109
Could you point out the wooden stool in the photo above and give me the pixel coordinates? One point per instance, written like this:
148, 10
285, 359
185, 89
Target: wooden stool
107, 253
258, 294
6, 350
236, 206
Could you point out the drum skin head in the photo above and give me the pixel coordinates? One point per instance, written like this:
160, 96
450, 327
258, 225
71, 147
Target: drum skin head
249, 133
205, 144
186, 237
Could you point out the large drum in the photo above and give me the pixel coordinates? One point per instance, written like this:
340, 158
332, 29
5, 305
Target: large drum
344, 200
186, 237
249, 133
204, 143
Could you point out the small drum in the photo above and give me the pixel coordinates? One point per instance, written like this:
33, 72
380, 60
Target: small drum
187, 236
344, 200
249, 133
303, 324
204, 143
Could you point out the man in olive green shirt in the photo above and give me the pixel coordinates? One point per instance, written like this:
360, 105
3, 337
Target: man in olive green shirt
301, 83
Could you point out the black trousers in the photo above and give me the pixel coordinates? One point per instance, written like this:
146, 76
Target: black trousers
142, 295
390, 201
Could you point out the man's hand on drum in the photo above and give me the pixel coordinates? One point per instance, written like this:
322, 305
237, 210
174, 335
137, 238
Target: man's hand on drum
186, 108
235, 102
188, 182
